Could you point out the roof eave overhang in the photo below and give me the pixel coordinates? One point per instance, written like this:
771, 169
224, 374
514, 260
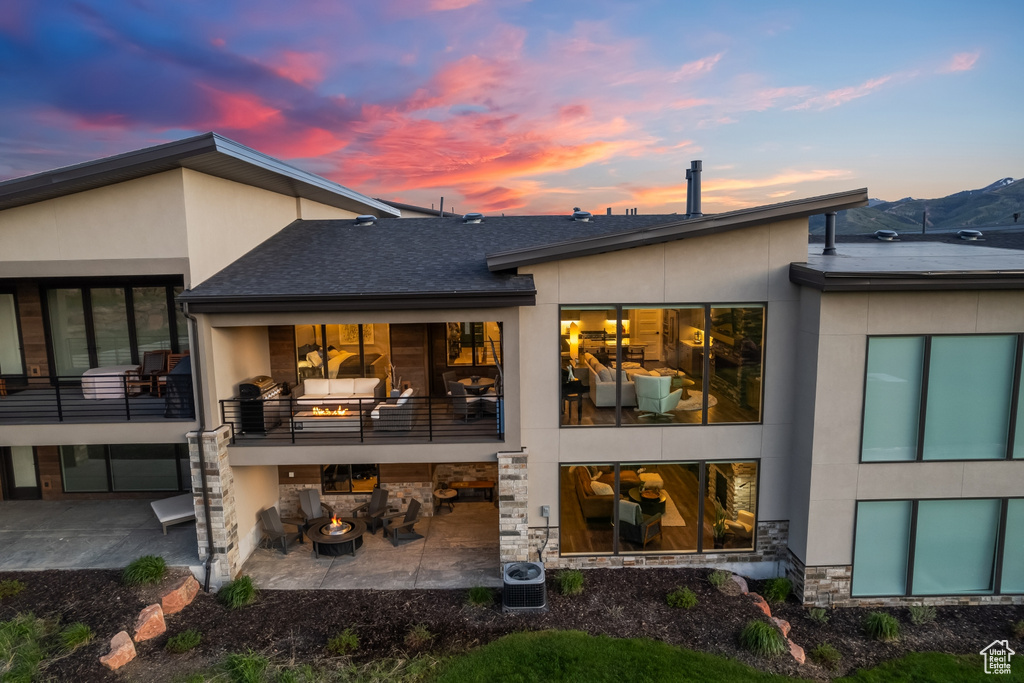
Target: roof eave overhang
208, 153
676, 230
361, 302
919, 281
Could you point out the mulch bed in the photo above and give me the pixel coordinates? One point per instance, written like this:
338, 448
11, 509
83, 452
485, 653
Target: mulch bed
624, 603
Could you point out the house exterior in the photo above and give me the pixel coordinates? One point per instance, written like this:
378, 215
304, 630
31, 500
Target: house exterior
649, 390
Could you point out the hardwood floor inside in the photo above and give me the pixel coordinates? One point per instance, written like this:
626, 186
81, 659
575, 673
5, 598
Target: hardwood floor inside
594, 536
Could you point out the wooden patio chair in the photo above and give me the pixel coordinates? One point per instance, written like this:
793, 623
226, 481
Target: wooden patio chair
374, 510
160, 378
403, 529
144, 377
274, 529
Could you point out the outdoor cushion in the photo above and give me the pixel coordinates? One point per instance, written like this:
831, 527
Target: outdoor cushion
316, 387
404, 398
364, 386
343, 387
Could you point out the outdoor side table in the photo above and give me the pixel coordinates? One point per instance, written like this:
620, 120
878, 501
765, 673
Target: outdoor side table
444, 496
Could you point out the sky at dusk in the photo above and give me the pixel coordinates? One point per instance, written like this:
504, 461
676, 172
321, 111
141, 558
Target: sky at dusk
533, 107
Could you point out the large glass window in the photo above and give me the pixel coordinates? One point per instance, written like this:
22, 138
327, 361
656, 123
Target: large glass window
660, 507
473, 344
937, 547
125, 467
892, 398
67, 331
966, 410
350, 478
339, 351
883, 548
152, 328
695, 364
10, 341
110, 325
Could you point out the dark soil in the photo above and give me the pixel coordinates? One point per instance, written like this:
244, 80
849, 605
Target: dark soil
294, 626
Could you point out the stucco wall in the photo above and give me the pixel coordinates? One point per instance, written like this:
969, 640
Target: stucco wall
837, 479
255, 489
748, 265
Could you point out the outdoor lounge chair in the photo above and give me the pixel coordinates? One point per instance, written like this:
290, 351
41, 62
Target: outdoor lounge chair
463, 405
403, 529
174, 510
274, 529
312, 506
154, 364
374, 509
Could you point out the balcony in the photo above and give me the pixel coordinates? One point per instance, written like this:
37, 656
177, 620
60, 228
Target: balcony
102, 399
421, 419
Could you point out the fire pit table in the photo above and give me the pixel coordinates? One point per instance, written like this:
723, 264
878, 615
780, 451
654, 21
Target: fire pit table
334, 540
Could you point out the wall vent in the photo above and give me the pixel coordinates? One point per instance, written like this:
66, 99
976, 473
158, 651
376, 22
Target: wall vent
473, 218
969, 235
886, 235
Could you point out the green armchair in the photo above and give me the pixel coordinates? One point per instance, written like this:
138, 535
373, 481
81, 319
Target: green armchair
654, 395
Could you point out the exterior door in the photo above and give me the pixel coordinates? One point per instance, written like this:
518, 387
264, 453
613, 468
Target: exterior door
11, 362
21, 476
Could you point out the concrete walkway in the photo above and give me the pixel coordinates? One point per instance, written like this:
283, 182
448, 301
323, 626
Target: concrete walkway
460, 550
88, 534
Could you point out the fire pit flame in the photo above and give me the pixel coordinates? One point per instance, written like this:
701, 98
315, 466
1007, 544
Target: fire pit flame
337, 527
321, 412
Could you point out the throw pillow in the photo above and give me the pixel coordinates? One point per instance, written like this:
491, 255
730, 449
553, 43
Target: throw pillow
600, 488
605, 375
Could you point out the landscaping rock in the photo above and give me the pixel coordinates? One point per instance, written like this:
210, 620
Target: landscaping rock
761, 604
150, 623
181, 597
742, 583
122, 651
782, 624
796, 651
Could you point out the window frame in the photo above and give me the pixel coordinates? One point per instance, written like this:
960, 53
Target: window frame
1014, 398
184, 485
349, 465
12, 291
702, 468
706, 348
997, 572
483, 344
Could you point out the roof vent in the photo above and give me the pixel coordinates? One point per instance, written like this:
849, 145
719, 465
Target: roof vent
969, 235
578, 215
886, 235
365, 220
472, 218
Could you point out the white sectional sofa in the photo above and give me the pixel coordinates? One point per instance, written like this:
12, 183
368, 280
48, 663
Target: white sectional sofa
344, 391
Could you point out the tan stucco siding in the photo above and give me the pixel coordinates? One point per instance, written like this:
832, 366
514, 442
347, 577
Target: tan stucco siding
310, 210
837, 478
137, 219
255, 489
748, 265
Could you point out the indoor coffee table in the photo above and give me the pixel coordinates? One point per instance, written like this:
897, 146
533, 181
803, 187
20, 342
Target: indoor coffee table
649, 504
344, 541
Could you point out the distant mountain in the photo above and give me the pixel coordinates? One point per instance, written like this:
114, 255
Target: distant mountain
993, 204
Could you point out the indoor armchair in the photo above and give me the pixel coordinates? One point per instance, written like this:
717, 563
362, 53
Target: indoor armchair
654, 395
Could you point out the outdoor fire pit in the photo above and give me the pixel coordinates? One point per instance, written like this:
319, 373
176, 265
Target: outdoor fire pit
335, 536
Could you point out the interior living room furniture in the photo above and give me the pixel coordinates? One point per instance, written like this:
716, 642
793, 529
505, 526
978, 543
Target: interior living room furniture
602, 384
593, 505
403, 529
650, 500
743, 527
463, 405
374, 509
636, 527
174, 510
274, 529
153, 364
633, 353
654, 395
311, 505
572, 392
394, 417
350, 391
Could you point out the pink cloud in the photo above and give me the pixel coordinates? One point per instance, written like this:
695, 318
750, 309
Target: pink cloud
718, 188
304, 68
962, 61
447, 5
695, 68
834, 98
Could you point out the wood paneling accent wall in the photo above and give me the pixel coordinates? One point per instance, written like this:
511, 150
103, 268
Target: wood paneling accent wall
33, 337
409, 354
282, 353
304, 474
52, 488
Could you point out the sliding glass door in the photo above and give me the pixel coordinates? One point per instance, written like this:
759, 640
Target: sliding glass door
10, 337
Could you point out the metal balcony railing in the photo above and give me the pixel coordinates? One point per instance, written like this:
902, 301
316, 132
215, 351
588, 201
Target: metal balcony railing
419, 419
98, 399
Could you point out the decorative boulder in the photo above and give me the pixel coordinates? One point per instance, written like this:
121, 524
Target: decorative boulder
741, 582
181, 597
796, 651
761, 604
122, 651
150, 623
782, 624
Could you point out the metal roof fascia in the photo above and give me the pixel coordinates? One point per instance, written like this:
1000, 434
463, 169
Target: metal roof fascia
801, 274
392, 303
682, 229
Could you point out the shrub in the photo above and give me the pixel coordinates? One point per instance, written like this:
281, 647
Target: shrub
818, 614
570, 582
75, 635
827, 656
345, 643
418, 636
762, 639
184, 641
718, 577
145, 570
246, 668
777, 590
682, 597
22, 647
922, 614
1018, 629
10, 587
882, 626
238, 593
481, 596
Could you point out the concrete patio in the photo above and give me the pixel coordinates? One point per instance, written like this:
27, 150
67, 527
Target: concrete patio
459, 550
88, 534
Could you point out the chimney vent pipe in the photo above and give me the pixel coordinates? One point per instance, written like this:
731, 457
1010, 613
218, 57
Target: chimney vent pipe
695, 169
689, 192
830, 234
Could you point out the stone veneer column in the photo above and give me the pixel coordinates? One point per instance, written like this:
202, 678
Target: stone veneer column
223, 522
512, 507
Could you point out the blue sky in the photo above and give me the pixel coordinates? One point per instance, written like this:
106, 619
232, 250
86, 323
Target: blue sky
533, 107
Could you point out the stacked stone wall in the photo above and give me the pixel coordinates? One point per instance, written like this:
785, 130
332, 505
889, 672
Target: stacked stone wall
223, 522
